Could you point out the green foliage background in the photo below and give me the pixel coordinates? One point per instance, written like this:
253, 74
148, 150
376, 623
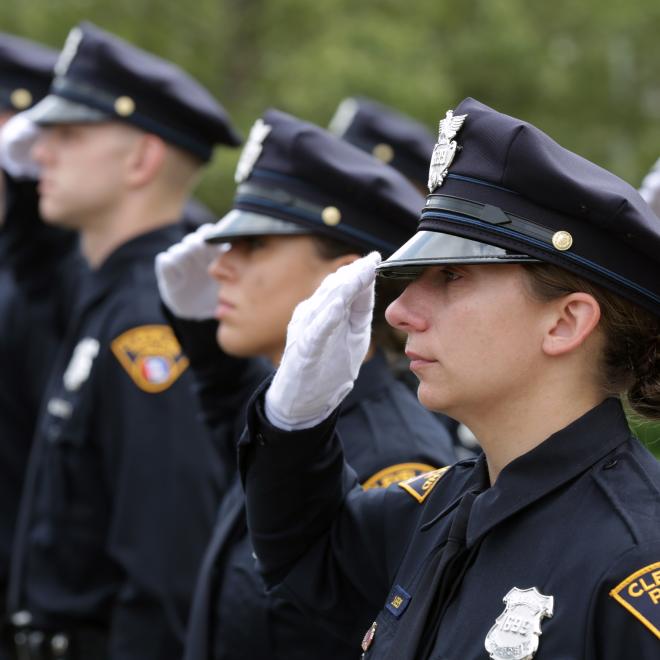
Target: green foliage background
586, 72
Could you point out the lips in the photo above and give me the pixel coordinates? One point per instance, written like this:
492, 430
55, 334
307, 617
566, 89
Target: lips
418, 361
223, 308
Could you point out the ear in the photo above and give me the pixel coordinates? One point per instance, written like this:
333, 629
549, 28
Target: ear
146, 159
574, 320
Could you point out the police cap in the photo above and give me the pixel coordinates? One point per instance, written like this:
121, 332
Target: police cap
296, 178
390, 136
100, 77
26, 69
503, 191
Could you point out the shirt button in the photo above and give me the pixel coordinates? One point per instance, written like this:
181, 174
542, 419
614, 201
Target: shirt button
260, 439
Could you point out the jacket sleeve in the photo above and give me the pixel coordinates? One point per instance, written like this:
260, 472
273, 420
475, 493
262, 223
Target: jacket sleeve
223, 383
165, 482
320, 539
625, 621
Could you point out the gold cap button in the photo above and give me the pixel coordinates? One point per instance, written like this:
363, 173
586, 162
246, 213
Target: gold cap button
562, 240
331, 216
124, 106
383, 152
21, 98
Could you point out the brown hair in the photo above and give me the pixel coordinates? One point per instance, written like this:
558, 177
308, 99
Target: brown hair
383, 334
631, 356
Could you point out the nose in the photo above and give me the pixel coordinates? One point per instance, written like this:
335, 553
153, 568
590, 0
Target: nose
407, 312
42, 150
225, 266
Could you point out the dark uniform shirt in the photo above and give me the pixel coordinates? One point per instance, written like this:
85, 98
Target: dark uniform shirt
562, 551
123, 482
387, 437
34, 261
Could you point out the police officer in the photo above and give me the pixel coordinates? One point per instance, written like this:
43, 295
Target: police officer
532, 308
387, 134
30, 261
306, 203
123, 478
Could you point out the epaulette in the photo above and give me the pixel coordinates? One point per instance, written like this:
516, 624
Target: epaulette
420, 487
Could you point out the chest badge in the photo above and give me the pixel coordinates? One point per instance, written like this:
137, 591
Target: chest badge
80, 365
515, 635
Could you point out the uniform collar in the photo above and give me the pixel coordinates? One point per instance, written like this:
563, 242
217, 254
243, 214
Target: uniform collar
559, 459
145, 245
374, 376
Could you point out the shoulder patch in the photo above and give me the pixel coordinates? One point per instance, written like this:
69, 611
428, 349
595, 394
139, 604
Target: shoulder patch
395, 473
420, 487
639, 593
151, 355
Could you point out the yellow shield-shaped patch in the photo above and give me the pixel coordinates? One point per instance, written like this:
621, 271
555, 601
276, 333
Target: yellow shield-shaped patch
151, 355
639, 593
395, 473
420, 487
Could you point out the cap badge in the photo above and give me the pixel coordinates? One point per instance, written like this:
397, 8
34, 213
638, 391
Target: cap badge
124, 106
383, 152
515, 635
331, 216
562, 240
68, 51
252, 150
445, 149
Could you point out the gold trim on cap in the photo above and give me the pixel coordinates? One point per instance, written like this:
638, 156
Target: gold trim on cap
562, 240
21, 98
383, 152
331, 216
124, 106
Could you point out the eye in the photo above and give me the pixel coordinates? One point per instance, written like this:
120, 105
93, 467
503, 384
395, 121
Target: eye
450, 275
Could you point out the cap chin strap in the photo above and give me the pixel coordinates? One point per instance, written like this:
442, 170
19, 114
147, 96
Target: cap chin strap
494, 215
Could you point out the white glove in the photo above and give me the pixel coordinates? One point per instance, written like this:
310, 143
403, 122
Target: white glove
185, 286
17, 137
650, 189
327, 339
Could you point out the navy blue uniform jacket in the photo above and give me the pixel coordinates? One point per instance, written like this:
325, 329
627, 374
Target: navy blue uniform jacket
35, 260
387, 437
123, 480
576, 519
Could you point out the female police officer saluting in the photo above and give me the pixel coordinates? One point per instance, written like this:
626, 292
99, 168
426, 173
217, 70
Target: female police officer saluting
533, 307
307, 203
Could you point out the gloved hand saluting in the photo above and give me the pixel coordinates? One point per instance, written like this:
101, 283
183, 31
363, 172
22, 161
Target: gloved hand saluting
17, 138
185, 286
327, 339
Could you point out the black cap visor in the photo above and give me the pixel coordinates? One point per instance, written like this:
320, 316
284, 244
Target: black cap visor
58, 110
431, 248
243, 224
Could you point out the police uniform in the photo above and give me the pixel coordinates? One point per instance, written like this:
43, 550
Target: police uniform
123, 479
297, 179
560, 558
30, 256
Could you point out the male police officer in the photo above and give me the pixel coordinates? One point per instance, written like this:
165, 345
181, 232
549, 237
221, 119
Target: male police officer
123, 480
29, 260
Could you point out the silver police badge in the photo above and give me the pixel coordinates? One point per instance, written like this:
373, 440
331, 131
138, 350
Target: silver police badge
515, 635
252, 150
445, 149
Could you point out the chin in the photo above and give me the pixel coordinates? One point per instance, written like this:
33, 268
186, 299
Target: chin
233, 344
